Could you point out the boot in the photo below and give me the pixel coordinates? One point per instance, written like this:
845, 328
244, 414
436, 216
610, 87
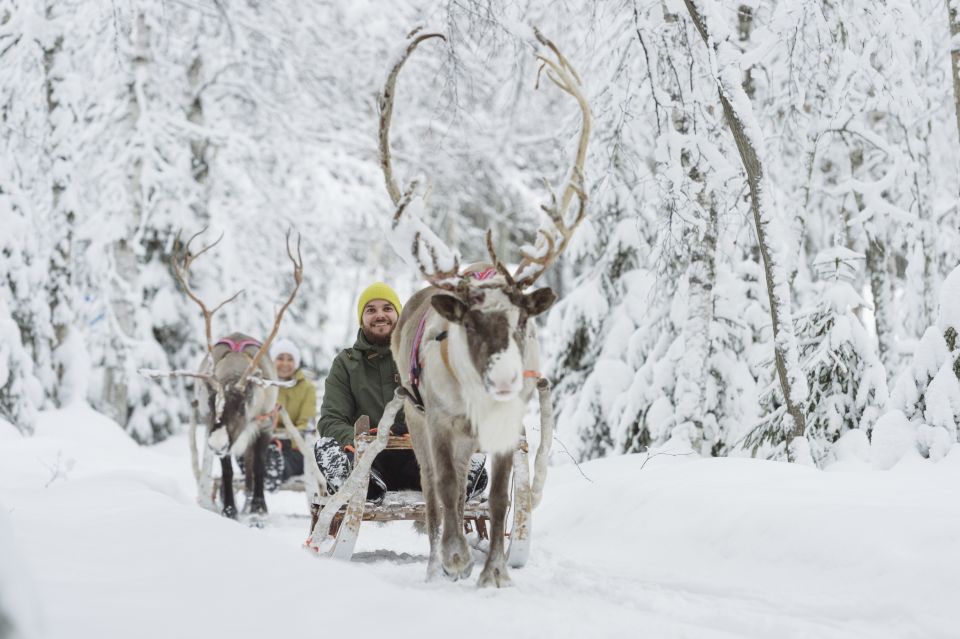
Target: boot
333, 462
477, 476
273, 467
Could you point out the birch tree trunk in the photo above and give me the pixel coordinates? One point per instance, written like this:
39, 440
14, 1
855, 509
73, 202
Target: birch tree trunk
953, 15
116, 389
199, 145
690, 390
60, 280
746, 134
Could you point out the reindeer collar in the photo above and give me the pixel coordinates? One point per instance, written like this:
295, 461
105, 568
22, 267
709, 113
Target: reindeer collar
237, 347
416, 370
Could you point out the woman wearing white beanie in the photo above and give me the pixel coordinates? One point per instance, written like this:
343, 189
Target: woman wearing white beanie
300, 401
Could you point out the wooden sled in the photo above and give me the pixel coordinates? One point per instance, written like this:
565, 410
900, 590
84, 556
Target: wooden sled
335, 521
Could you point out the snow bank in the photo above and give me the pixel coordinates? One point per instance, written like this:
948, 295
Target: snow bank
820, 553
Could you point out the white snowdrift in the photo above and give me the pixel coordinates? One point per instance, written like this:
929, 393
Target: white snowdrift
116, 547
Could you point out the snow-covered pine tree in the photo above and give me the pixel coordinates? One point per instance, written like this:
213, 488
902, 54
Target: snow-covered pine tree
21, 393
927, 394
847, 381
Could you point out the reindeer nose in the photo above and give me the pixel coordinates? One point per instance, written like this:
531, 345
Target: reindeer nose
505, 388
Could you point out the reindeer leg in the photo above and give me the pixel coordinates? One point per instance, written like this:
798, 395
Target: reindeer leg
432, 522
226, 487
420, 436
451, 469
258, 504
495, 569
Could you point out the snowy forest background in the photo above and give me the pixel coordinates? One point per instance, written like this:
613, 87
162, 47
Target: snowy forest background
122, 122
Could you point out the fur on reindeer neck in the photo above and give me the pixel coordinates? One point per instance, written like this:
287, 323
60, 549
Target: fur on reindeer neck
497, 424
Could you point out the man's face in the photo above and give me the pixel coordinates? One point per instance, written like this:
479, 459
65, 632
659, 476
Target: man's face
285, 366
379, 318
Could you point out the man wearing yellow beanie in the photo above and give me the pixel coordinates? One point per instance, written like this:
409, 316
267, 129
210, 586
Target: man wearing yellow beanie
378, 291
361, 382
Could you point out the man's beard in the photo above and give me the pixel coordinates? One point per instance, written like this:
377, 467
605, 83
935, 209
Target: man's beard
379, 340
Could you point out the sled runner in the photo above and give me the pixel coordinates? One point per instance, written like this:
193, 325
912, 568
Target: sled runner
335, 520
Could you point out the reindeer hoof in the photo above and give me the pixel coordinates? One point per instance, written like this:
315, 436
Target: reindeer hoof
230, 512
258, 508
458, 567
257, 521
495, 577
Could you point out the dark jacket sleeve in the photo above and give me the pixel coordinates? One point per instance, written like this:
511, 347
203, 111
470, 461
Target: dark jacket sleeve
338, 405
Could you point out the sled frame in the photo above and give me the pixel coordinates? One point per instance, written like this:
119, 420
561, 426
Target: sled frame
340, 539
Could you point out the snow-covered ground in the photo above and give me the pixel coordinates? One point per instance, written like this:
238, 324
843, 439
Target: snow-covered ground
101, 538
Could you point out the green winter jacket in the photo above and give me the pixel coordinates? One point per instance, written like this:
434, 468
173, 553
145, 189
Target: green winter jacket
361, 382
300, 401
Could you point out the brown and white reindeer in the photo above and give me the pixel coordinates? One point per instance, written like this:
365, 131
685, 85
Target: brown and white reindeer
467, 349
238, 397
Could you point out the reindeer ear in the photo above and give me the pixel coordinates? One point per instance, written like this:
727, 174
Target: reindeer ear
449, 307
539, 301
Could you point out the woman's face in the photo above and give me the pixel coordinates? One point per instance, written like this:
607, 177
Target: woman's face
285, 366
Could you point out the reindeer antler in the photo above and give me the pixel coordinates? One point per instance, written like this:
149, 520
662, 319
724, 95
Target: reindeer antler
435, 274
385, 102
181, 269
551, 242
265, 346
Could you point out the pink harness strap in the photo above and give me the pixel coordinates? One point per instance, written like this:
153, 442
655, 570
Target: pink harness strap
485, 274
237, 347
415, 353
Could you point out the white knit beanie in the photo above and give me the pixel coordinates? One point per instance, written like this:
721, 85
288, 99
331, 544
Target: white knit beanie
286, 346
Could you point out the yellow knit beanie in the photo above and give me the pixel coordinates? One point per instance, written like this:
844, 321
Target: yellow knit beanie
377, 291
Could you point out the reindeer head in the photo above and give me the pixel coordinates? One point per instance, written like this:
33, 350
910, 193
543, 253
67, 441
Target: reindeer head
491, 319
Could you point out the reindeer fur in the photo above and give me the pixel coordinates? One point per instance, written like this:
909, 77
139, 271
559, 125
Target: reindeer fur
460, 416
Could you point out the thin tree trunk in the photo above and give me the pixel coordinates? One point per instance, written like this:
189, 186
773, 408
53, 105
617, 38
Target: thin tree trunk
878, 271
953, 16
116, 387
691, 379
199, 146
792, 382
59, 283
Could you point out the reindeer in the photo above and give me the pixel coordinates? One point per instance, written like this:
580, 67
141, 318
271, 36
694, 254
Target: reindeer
237, 400
473, 351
